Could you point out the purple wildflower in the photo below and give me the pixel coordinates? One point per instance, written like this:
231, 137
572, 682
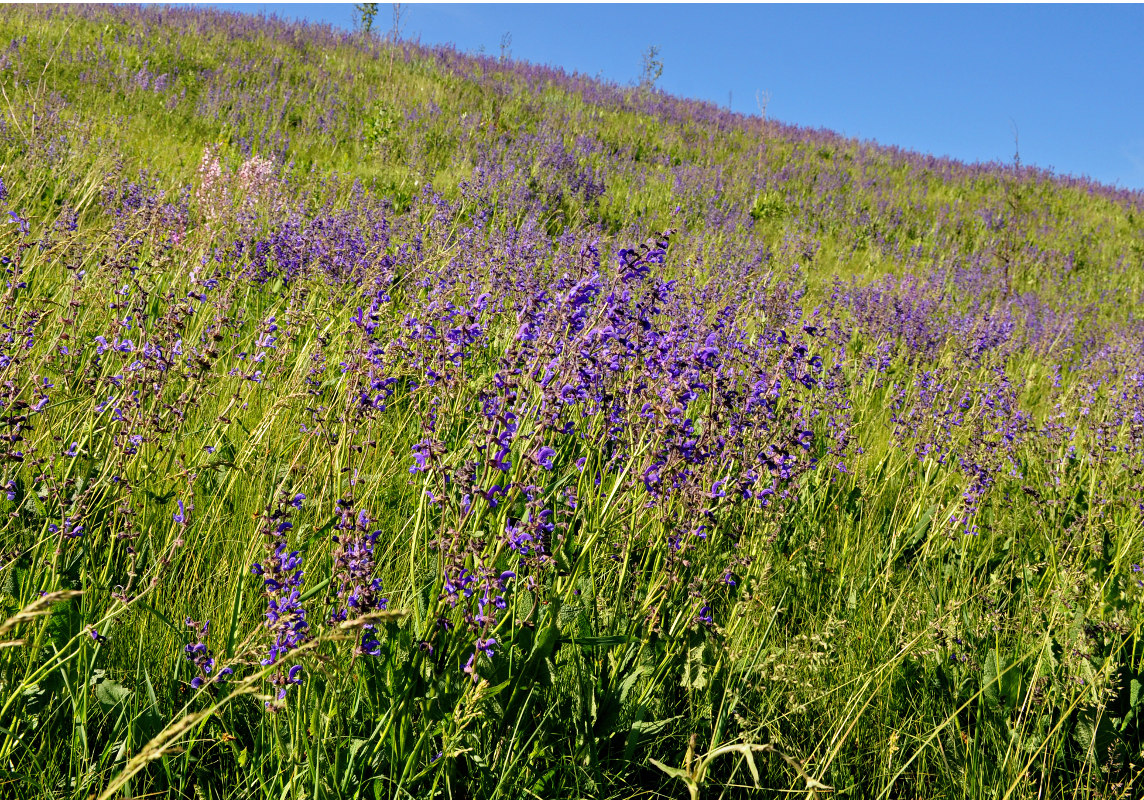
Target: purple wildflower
544, 457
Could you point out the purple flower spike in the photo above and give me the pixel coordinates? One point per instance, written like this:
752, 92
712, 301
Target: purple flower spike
282, 575
21, 223
200, 655
358, 587
487, 646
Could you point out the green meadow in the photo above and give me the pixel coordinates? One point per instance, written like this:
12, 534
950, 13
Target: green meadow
383, 421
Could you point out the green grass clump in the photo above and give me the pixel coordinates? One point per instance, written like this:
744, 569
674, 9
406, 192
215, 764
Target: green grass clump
520, 435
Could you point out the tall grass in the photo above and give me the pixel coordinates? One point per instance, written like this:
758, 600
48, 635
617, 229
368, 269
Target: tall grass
383, 421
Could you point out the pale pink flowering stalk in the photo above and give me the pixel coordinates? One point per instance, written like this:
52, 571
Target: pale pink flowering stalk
213, 194
257, 182
253, 186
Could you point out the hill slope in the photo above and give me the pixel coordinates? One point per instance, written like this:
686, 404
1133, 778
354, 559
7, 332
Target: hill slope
383, 421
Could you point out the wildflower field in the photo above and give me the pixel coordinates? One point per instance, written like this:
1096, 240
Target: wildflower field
382, 421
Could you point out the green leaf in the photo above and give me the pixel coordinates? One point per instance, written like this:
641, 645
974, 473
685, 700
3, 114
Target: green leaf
36, 506
991, 669
627, 683
673, 772
545, 641
313, 590
694, 670
653, 727
110, 693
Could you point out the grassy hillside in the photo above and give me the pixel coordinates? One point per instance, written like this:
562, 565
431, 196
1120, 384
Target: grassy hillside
384, 421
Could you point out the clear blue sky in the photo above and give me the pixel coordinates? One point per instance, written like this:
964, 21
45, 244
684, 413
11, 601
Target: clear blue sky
947, 80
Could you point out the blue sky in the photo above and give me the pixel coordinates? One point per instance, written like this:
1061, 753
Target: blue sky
949, 80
